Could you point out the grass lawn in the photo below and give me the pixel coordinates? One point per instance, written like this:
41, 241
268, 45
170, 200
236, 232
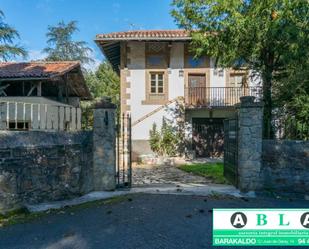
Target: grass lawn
214, 171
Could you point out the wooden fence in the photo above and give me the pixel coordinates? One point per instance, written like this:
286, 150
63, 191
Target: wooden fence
38, 116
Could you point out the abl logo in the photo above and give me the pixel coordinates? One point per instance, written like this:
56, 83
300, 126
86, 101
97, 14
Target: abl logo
239, 220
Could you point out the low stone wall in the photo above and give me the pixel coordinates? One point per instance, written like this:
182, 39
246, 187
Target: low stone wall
285, 166
42, 166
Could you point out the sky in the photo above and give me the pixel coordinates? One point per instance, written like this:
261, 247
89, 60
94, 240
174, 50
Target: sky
32, 17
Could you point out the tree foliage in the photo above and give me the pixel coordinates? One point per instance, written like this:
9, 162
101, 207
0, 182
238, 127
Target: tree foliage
104, 82
7, 36
62, 47
163, 141
264, 36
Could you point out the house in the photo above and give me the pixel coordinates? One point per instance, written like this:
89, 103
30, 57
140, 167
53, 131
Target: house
156, 67
41, 95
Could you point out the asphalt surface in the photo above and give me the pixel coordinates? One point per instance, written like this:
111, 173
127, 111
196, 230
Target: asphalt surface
138, 221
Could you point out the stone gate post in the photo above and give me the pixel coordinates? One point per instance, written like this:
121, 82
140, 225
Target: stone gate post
104, 137
250, 119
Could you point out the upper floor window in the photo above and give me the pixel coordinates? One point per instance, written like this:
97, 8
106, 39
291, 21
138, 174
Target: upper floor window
156, 55
192, 61
155, 60
196, 61
156, 89
156, 83
237, 80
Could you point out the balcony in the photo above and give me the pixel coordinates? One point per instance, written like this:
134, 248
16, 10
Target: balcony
199, 97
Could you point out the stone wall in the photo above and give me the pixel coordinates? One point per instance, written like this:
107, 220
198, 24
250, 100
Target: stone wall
44, 166
41, 166
276, 165
285, 166
249, 143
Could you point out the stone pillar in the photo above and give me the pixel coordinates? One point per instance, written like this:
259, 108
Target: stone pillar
250, 119
104, 154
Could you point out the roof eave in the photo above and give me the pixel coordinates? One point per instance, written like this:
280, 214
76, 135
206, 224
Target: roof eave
142, 39
115, 67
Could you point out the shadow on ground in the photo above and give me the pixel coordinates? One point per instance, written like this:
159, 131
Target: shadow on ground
137, 221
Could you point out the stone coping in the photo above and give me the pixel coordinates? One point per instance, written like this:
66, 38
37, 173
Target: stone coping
16, 139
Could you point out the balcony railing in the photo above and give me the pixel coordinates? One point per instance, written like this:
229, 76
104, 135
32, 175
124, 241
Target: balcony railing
218, 96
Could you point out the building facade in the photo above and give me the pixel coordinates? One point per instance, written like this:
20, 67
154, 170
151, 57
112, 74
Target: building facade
41, 95
156, 69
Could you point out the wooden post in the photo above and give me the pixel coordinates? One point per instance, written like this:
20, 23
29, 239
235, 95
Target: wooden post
39, 89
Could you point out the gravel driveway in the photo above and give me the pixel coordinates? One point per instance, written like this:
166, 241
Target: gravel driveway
164, 174
138, 221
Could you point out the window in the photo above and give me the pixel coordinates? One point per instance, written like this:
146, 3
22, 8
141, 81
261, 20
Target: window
196, 62
236, 80
155, 60
156, 87
156, 83
156, 55
19, 125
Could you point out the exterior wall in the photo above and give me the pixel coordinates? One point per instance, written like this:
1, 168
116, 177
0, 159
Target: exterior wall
44, 166
137, 71
217, 80
285, 166
134, 71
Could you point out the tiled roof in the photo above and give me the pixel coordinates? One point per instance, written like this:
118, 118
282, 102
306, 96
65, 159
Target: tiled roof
146, 34
40, 69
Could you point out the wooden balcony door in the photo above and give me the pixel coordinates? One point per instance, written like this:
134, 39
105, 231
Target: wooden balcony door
197, 89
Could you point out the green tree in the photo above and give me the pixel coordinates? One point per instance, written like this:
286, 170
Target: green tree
7, 36
104, 82
62, 47
166, 141
264, 36
291, 93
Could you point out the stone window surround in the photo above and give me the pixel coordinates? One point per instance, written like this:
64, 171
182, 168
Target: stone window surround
150, 97
156, 78
197, 71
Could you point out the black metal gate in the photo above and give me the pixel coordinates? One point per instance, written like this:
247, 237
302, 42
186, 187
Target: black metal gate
231, 150
124, 152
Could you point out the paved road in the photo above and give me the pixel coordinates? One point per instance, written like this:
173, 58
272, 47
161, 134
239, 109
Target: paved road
139, 221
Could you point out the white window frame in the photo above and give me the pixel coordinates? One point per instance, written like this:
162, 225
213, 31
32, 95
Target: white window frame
156, 83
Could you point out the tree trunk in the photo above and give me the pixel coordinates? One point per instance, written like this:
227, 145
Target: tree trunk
267, 98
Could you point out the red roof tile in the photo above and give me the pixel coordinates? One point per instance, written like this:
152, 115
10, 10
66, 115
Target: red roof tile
146, 34
40, 69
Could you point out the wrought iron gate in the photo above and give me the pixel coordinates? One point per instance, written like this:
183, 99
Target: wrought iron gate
231, 150
124, 152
